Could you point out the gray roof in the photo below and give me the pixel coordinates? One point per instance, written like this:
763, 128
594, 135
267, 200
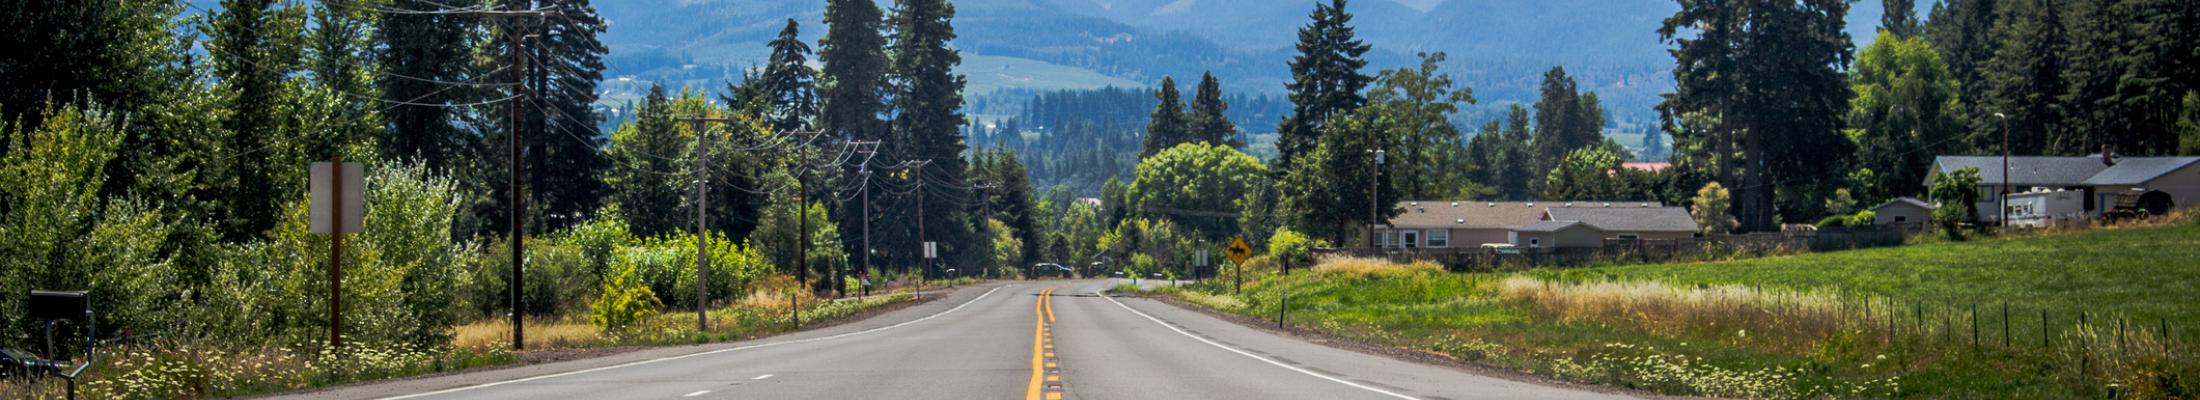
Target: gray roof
1487, 215
2027, 170
1650, 219
1912, 201
1549, 226
2137, 171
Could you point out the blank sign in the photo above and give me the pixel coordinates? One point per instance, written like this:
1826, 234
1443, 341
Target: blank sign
355, 201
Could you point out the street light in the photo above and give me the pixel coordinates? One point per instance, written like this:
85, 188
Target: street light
2003, 202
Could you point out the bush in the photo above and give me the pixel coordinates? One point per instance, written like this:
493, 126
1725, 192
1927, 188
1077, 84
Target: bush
57, 233
1833, 221
1292, 247
626, 299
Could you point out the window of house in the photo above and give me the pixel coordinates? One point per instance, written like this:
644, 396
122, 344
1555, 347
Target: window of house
1901, 219
1629, 236
1535, 242
1410, 239
1386, 239
1439, 238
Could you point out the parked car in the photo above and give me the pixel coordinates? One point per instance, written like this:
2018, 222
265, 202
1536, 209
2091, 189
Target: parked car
1501, 248
1050, 269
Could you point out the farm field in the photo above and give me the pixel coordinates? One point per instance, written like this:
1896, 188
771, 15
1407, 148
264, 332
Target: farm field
1920, 321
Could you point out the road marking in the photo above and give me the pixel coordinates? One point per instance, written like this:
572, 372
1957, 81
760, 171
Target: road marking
692, 355
1038, 335
761, 377
697, 393
1049, 299
1158, 321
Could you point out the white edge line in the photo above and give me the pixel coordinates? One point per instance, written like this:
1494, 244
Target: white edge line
761, 377
697, 393
690, 355
1157, 321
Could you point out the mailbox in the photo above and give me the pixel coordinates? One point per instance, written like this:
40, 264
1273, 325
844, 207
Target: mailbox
65, 305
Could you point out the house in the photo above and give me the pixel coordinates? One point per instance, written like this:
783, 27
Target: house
1902, 210
2153, 185
1531, 224
1444, 224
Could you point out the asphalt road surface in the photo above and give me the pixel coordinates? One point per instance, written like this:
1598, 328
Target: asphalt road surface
1030, 340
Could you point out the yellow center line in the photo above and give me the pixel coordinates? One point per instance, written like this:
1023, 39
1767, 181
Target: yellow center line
1038, 338
1049, 299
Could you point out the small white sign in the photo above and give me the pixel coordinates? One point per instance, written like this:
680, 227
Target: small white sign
931, 249
355, 200
1202, 258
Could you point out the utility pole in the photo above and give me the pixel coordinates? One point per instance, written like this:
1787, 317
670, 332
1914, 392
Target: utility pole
2003, 202
1372, 195
702, 219
869, 148
924, 266
519, 199
985, 199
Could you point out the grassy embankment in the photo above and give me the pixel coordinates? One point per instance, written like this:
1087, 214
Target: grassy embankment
1890, 322
157, 370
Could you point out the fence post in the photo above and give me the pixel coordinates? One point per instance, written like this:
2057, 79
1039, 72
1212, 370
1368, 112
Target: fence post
2044, 343
2005, 324
1974, 326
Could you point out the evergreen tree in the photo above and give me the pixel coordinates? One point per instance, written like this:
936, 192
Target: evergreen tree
1011, 198
1960, 30
1653, 146
255, 47
337, 52
853, 87
2161, 63
648, 181
77, 51
419, 51
927, 124
564, 161
2188, 126
1168, 126
1770, 70
1899, 17
2024, 79
1207, 119
1563, 122
790, 83
1328, 194
2089, 105
1325, 81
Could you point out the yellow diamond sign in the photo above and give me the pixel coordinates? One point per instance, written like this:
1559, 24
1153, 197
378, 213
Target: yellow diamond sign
1238, 251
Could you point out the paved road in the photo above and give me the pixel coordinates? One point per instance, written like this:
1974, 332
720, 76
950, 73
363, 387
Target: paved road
989, 341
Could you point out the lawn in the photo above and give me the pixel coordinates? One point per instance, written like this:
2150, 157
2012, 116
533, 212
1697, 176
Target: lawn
1882, 323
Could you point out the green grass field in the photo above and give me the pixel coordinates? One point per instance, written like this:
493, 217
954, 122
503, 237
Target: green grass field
1881, 323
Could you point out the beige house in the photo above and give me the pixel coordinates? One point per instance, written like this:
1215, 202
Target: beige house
1467, 224
1902, 210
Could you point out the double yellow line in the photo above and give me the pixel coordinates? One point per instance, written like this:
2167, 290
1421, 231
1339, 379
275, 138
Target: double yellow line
1046, 382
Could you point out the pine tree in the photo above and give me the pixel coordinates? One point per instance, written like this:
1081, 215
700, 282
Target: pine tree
1563, 122
564, 160
77, 51
2089, 104
417, 51
1414, 105
1899, 17
1960, 30
2160, 63
1208, 122
1770, 71
1168, 126
2188, 125
649, 180
853, 87
2024, 79
256, 47
927, 124
1325, 81
790, 83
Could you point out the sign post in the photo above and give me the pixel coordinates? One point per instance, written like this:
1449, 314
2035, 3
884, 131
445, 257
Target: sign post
337, 206
1238, 252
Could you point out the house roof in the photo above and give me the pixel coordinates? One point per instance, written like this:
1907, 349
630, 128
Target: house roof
1630, 219
2139, 170
1912, 201
2027, 170
1489, 215
1551, 226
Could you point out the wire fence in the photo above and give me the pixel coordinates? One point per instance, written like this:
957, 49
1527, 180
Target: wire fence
1626, 250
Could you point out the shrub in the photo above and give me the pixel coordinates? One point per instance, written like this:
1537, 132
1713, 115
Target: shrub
1958, 195
1833, 221
626, 299
1292, 247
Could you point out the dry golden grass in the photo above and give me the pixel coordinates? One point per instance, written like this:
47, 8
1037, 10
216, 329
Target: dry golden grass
1363, 266
774, 294
1778, 319
497, 333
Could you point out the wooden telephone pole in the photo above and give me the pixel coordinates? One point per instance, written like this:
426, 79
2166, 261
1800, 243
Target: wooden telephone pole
519, 197
702, 220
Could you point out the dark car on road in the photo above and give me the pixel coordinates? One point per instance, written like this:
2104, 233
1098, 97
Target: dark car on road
1050, 270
